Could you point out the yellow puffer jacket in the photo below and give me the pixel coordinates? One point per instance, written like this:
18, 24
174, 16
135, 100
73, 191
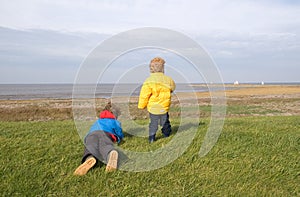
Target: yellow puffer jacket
156, 93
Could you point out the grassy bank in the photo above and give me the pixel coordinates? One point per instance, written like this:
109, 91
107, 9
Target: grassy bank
255, 156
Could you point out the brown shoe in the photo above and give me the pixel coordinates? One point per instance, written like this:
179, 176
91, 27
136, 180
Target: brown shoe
112, 163
86, 166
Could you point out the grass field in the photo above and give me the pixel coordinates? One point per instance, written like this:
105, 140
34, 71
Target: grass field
255, 156
257, 153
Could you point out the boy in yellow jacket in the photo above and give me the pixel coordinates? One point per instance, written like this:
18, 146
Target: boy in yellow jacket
156, 96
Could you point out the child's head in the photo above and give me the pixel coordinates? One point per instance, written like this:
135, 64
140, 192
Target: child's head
157, 65
113, 109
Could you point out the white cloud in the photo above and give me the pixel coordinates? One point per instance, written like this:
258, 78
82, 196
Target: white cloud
111, 16
235, 32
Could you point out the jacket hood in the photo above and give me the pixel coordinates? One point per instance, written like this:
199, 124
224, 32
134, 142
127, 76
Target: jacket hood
107, 114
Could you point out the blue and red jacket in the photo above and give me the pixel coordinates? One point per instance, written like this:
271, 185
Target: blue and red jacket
110, 125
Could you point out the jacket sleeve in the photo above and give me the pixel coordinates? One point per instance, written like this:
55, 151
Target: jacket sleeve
144, 96
118, 130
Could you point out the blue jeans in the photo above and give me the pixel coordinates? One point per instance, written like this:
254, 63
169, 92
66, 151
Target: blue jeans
162, 120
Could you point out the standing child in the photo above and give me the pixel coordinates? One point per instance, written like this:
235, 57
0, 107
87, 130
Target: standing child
156, 96
99, 141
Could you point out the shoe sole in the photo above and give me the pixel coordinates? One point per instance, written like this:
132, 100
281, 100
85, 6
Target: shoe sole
85, 167
112, 163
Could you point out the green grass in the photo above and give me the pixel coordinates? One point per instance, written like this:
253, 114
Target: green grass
254, 156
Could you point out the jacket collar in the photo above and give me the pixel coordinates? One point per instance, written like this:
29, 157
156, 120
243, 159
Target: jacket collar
158, 73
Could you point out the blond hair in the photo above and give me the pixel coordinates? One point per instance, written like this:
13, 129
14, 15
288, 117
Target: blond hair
157, 65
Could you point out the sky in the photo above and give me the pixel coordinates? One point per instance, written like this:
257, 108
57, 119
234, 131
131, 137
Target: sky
43, 41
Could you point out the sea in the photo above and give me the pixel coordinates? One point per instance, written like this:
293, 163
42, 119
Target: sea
69, 91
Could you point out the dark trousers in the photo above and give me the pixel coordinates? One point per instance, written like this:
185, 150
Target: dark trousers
99, 145
163, 121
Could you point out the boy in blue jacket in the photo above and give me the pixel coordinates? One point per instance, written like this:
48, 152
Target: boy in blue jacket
99, 141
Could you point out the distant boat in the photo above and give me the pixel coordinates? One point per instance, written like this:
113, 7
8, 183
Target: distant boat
236, 83
262, 83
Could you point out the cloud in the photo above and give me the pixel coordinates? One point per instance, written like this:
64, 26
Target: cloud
112, 16
47, 42
240, 35
238, 45
42, 55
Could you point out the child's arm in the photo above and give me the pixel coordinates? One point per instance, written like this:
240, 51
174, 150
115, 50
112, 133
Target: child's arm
144, 96
118, 130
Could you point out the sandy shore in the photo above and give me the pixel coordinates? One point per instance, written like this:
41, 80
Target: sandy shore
274, 99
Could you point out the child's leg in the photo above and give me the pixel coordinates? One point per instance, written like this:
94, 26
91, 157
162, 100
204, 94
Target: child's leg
99, 145
105, 146
91, 146
86, 154
89, 158
108, 152
166, 125
153, 126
